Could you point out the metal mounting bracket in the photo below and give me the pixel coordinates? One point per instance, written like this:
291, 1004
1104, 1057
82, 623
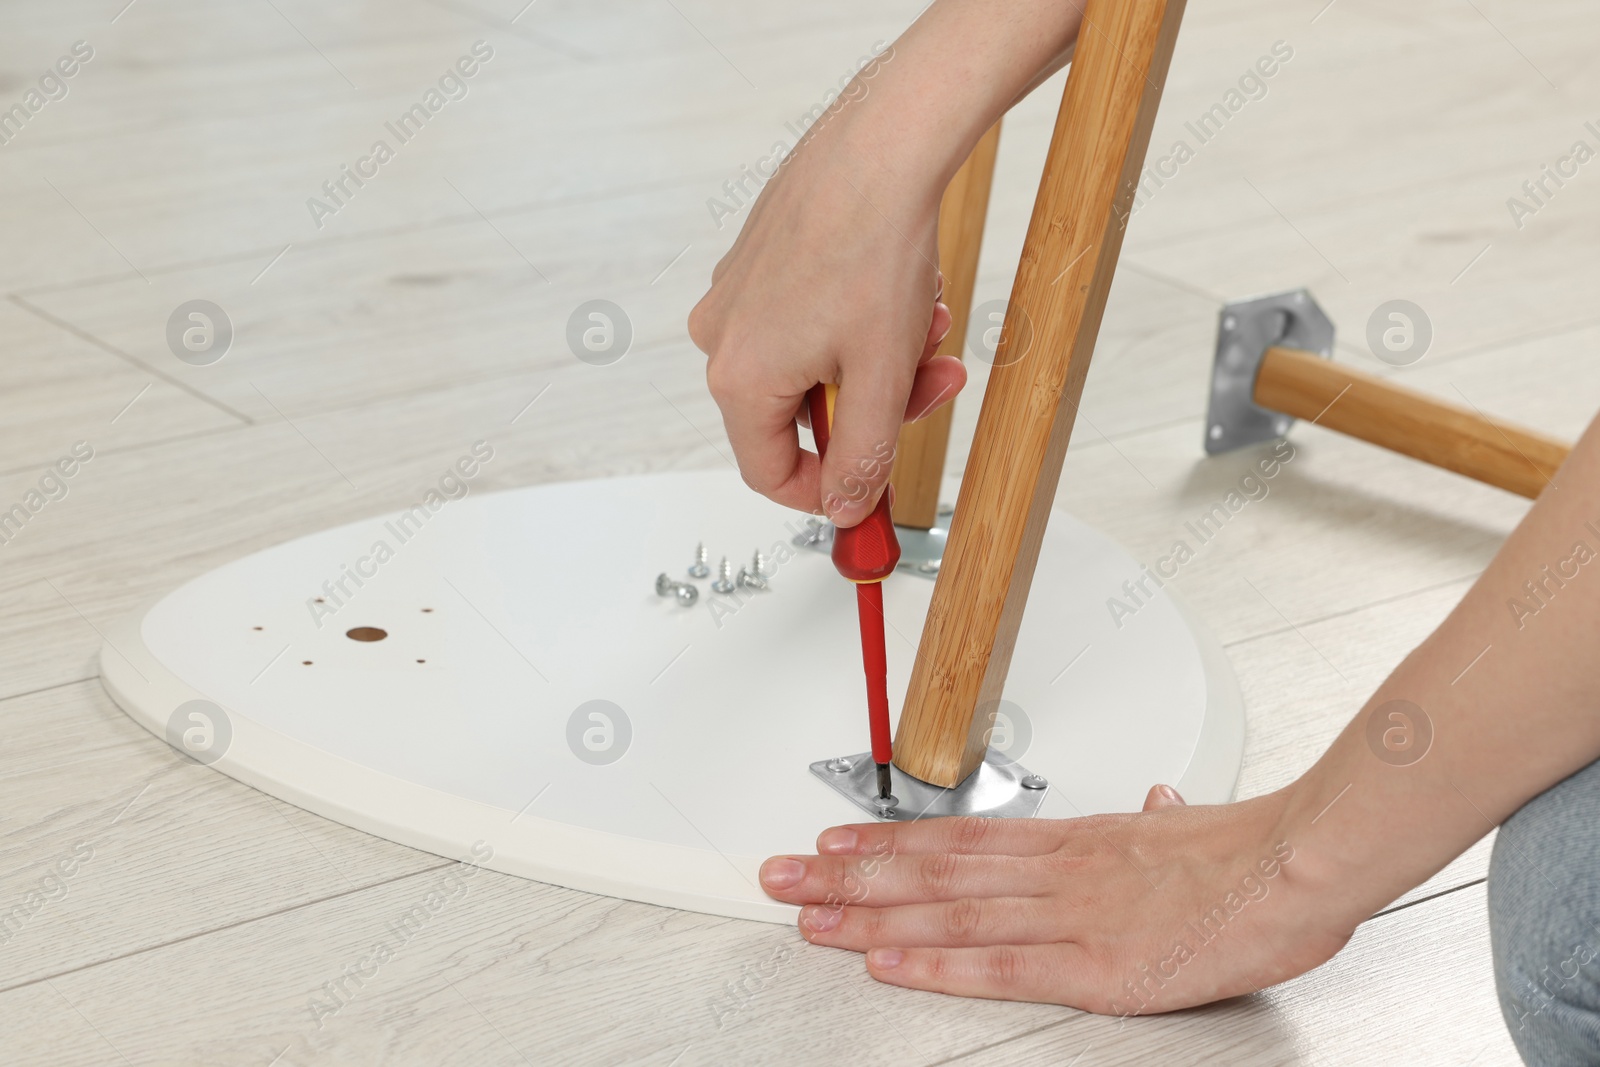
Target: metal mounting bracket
999, 789
1246, 329
920, 550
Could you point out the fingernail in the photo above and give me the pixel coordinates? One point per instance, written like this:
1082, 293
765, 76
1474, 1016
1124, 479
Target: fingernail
847, 512
782, 873
1169, 792
838, 841
884, 959
820, 919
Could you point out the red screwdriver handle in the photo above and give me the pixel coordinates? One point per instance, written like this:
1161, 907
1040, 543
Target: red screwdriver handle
869, 550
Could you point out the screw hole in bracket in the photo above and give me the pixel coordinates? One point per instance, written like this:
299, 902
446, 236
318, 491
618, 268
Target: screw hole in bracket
366, 633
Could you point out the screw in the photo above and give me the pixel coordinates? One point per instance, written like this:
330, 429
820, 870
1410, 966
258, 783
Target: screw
686, 593
724, 582
839, 765
816, 533
886, 806
698, 568
754, 576
1033, 781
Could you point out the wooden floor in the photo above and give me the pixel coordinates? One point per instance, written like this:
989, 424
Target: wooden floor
431, 309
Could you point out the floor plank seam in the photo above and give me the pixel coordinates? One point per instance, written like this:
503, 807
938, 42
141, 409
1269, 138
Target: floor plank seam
1431, 896
969, 1053
139, 446
289, 909
488, 21
1175, 283
1382, 601
104, 346
48, 688
374, 234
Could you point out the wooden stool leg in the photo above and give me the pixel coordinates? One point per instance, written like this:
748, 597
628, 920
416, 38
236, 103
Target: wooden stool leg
919, 453
1090, 176
1339, 397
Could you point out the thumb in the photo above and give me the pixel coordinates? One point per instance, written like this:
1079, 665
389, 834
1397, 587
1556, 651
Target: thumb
861, 442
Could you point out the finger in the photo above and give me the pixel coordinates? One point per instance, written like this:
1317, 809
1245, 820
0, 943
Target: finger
760, 421
964, 923
890, 880
866, 423
937, 382
1163, 796
965, 836
1045, 974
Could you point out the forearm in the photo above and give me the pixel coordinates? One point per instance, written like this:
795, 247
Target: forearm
955, 71
1511, 696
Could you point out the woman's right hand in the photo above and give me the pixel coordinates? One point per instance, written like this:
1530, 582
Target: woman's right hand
834, 278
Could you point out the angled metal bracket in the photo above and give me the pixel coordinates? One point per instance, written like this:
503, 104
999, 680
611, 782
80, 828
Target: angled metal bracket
999, 789
1246, 329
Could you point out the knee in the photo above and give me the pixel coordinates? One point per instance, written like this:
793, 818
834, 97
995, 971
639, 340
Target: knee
1544, 922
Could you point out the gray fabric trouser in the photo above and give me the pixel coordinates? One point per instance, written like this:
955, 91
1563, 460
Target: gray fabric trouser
1544, 922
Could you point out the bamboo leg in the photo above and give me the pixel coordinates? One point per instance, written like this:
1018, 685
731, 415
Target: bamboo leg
1090, 175
1415, 424
919, 453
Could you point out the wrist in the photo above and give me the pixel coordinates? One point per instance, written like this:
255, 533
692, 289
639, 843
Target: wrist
920, 105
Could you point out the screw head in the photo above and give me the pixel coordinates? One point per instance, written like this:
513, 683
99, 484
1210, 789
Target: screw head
839, 765
887, 806
687, 594
664, 584
1033, 781
751, 581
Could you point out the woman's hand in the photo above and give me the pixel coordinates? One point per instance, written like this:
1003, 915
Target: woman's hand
834, 278
1116, 914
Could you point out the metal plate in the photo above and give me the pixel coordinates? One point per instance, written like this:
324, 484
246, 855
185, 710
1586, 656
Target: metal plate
994, 790
1246, 329
920, 550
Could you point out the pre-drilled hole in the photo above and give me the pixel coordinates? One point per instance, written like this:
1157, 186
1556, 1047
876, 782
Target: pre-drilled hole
305, 663
366, 633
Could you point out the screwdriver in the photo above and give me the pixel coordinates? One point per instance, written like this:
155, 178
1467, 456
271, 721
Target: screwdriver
866, 554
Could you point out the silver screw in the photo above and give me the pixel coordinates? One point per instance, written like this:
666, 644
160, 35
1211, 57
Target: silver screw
839, 765
686, 593
816, 533
754, 576
886, 806
724, 582
1033, 781
698, 568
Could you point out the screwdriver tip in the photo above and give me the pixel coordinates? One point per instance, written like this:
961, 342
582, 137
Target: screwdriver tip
884, 783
